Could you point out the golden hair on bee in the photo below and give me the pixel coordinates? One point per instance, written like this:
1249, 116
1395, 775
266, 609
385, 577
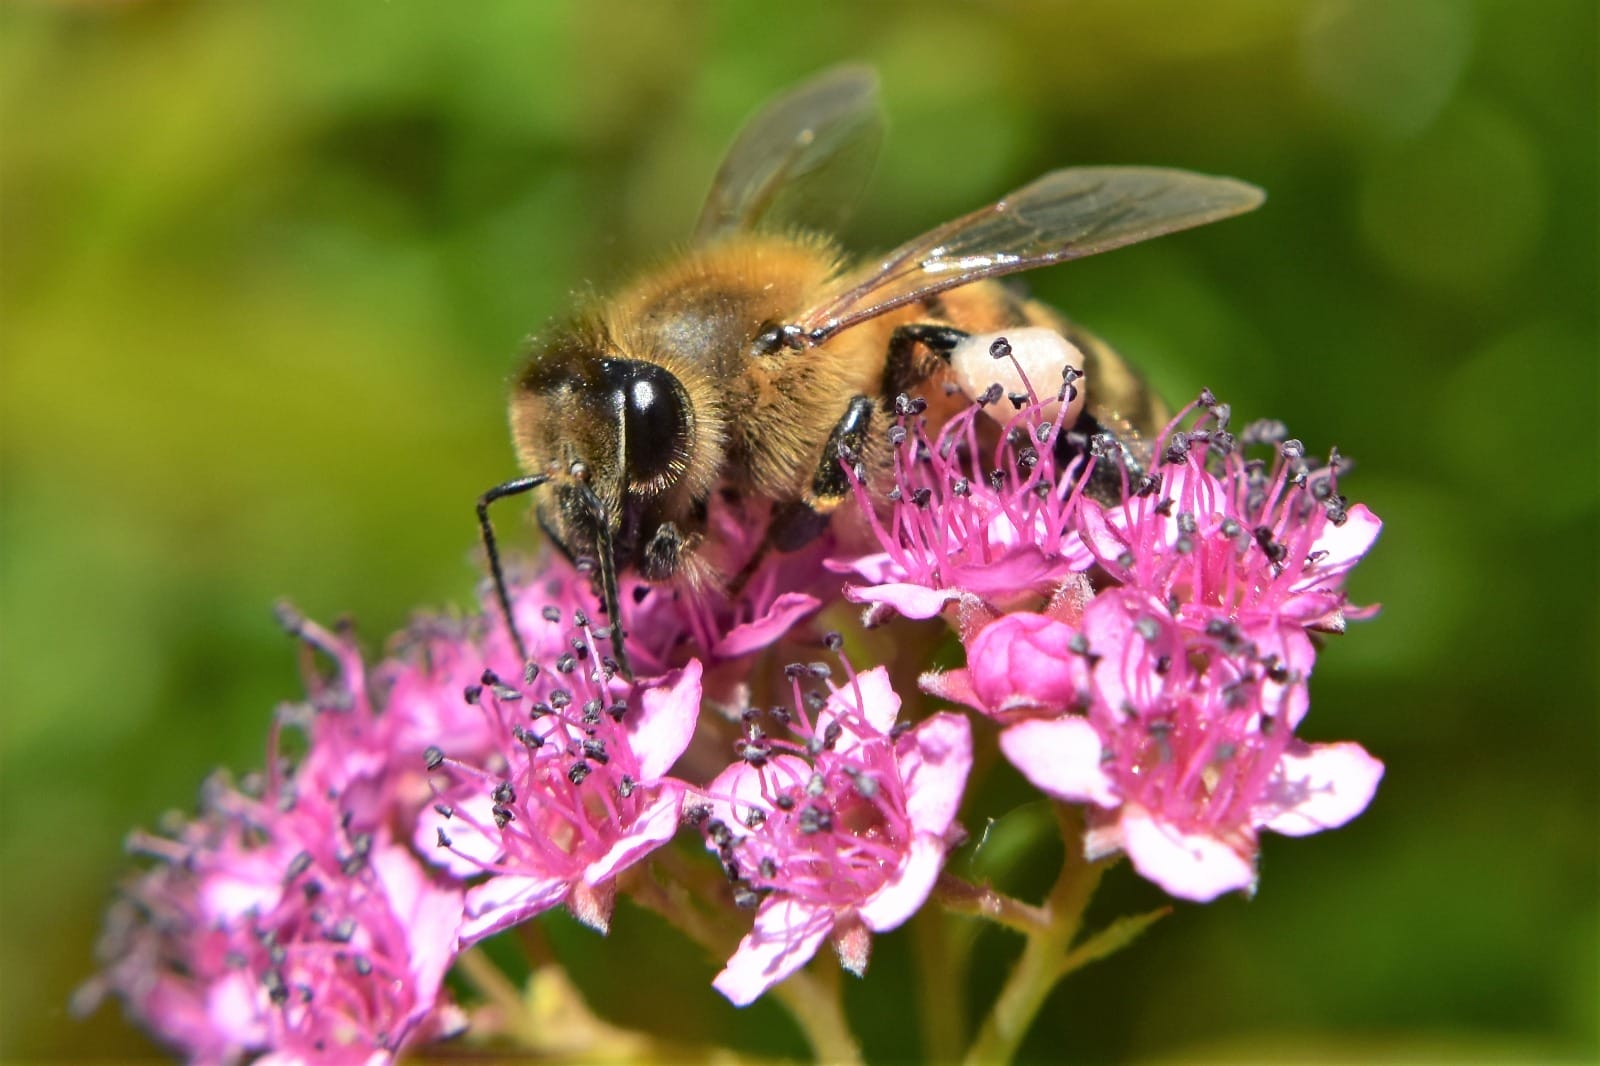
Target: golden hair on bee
758, 363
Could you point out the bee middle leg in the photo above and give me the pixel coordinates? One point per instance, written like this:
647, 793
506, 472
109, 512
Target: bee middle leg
907, 365
796, 523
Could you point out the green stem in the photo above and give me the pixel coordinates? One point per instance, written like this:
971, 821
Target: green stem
1044, 958
941, 1011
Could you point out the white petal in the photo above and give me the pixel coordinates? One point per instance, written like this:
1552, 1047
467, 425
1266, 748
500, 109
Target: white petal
786, 935
1062, 757
904, 895
934, 768
668, 710
1319, 786
1187, 865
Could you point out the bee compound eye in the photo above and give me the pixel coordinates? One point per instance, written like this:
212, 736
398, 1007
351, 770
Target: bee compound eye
655, 418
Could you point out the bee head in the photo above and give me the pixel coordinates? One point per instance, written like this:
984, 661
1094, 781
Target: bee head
613, 434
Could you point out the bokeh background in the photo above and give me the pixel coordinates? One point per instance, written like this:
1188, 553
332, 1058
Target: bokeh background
266, 268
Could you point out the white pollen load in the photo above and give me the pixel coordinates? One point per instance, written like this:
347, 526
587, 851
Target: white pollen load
1040, 354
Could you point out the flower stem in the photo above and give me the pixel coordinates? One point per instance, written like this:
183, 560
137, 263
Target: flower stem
943, 964
1045, 959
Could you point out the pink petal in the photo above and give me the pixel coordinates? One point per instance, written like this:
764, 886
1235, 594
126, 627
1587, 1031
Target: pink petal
904, 894
1026, 661
669, 708
1348, 543
786, 935
747, 637
935, 759
1187, 865
740, 786
1061, 756
1319, 786
879, 568
655, 826
248, 882
912, 601
472, 843
879, 705
1020, 572
431, 915
953, 686
505, 900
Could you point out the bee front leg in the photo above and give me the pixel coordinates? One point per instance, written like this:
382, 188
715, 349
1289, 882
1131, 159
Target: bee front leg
665, 552
904, 368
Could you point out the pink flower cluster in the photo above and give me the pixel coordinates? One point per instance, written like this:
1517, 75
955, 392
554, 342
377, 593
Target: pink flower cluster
287, 919
1138, 627
1163, 683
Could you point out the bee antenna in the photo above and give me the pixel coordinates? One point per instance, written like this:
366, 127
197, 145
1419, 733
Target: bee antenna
500, 492
608, 579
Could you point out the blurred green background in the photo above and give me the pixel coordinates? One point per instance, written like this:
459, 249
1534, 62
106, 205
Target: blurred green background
266, 268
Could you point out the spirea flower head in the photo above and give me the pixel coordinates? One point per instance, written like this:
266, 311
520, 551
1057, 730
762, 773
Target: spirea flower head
1188, 747
836, 829
282, 921
574, 790
1166, 688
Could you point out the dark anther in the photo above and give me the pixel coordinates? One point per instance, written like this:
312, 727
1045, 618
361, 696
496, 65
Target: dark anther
596, 750
297, 866
815, 819
1148, 628
504, 793
833, 640
551, 613
830, 735
897, 435
503, 815
567, 663
794, 671
1208, 399
444, 810
626, 786
530, 673
961, 487
820, 671
578, 772
784, 802
343, 931
560, 699
895, 495
432, 757
290, 619
1177, 448
443, 839
991, 395
507, 694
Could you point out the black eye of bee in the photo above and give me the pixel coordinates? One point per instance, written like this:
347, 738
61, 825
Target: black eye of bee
655, 417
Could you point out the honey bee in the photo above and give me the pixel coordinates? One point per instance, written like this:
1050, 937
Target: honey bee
758, 358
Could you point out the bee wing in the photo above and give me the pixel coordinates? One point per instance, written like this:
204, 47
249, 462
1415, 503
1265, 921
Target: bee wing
802, 160
1067, 214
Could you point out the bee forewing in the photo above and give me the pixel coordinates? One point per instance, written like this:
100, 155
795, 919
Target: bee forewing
802, 161
1067, 214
